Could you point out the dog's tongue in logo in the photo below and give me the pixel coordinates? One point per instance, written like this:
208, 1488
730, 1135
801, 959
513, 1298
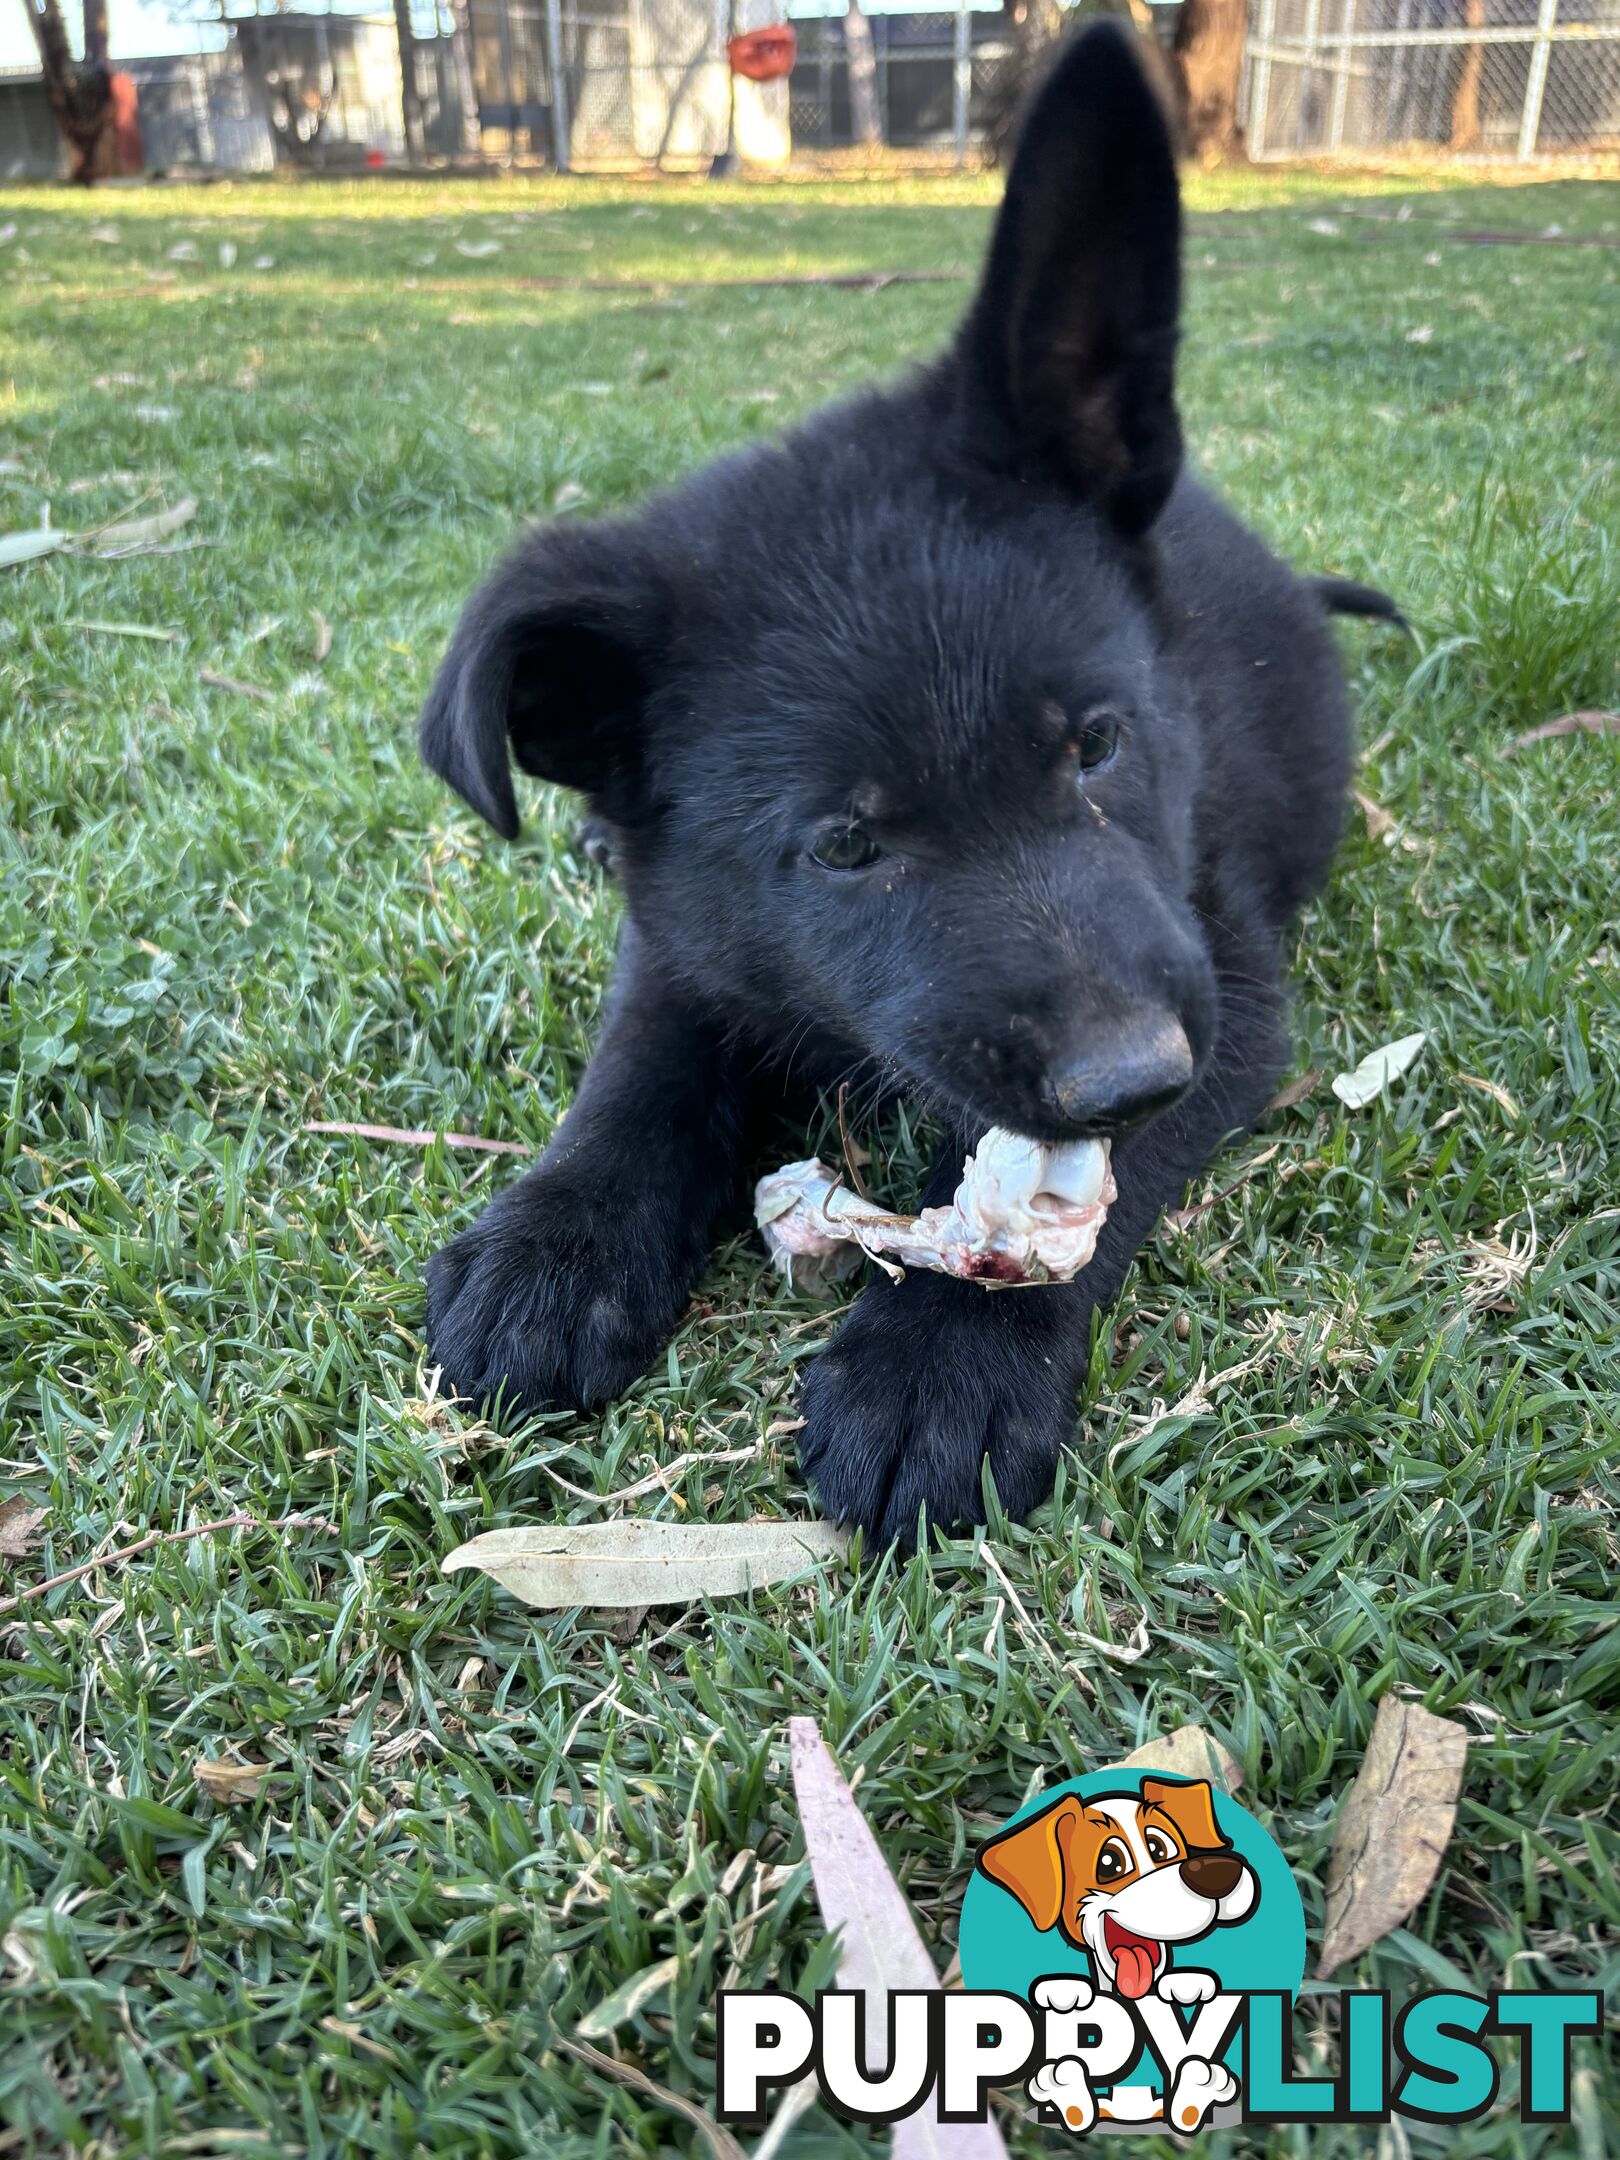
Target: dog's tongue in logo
1136, 1960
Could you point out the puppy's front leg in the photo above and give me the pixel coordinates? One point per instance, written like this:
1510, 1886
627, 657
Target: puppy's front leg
929, 1378
563, 1289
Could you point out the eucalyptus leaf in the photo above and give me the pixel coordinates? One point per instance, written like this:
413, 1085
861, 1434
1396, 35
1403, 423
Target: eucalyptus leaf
879, 1947
630, 1563
1393, 1829
21, 547
1376, 1070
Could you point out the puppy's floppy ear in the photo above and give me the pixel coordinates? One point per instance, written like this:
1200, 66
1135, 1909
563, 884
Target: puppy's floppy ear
1191, 1808
1070, 346
551, 665
1028, 1860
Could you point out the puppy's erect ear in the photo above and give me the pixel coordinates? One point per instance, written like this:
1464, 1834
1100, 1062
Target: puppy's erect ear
1191, 1808
551, 665
1070, 346
1028, 1860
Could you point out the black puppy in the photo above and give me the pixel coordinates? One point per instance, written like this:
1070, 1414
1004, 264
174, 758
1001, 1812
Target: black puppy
959, 739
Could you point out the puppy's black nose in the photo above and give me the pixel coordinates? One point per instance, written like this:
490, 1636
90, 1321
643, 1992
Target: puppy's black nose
1211, 1875
1122, 1073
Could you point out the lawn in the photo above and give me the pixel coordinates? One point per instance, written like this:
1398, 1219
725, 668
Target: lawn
233, 904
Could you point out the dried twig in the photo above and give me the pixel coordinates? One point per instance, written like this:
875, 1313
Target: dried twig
1570, 723
1179, 1218
658, 1480
165, 1537
853, 1156
216, 681
421, 1138
719, 2140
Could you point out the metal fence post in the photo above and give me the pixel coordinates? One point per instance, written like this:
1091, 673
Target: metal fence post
1307, 71
1260, 99
508, 84
1341, 76
1536, 82
961, 80
559, 85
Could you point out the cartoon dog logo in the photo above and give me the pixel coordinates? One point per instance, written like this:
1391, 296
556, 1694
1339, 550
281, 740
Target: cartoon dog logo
1130, 1878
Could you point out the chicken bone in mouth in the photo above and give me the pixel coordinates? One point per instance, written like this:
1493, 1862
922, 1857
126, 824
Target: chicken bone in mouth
1023, 1213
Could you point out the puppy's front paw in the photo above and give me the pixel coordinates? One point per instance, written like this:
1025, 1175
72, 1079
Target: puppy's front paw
553, 1298
925, 1381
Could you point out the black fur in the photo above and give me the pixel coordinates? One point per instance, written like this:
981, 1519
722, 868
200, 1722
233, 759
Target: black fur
1343, 596
921, 614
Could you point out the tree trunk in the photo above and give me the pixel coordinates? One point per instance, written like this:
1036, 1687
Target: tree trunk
1207, 58
1465, 129
866, 124
80, 92
410, 103
1032, 26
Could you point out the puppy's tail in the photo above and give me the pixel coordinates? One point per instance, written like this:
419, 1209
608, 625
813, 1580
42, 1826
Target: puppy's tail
1343, 596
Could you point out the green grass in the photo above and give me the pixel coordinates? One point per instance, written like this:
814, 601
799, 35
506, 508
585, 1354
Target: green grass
223, 916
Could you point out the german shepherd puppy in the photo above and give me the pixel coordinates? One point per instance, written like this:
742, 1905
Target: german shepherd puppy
959, 740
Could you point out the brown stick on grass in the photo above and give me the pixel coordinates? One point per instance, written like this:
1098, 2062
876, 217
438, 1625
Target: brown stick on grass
401, 1137
164, 1537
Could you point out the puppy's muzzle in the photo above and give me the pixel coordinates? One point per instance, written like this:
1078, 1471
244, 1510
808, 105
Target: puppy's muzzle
1122, 1074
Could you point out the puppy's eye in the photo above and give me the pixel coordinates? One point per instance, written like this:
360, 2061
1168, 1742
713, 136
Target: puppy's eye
1113, 1862
845, 847
1098, 738
1159, 1847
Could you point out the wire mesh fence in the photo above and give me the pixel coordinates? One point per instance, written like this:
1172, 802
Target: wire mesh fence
937, 79
1518, 78
592, 82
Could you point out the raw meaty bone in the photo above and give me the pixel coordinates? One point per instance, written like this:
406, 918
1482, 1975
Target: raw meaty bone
1023, 1213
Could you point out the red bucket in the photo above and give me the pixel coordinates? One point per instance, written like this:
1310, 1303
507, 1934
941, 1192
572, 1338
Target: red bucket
764, 55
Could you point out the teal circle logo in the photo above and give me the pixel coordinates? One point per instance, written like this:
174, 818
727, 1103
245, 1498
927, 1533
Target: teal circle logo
1145, 1887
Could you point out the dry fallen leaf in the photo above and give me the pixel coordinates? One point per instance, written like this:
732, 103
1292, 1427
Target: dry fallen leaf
1289, 1097
1571, 723
135, 533
19, 1527
1376, 1070
1392, 1831
148, 631
323, 635
621, 2006
1381, 823
1490, 1087
879, 1948
226, 1781
1188, 1752
645, 1563
21, 547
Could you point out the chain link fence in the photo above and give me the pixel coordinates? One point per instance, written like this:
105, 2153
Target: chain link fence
626, 84
1514, 78
938, 77
613, 82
